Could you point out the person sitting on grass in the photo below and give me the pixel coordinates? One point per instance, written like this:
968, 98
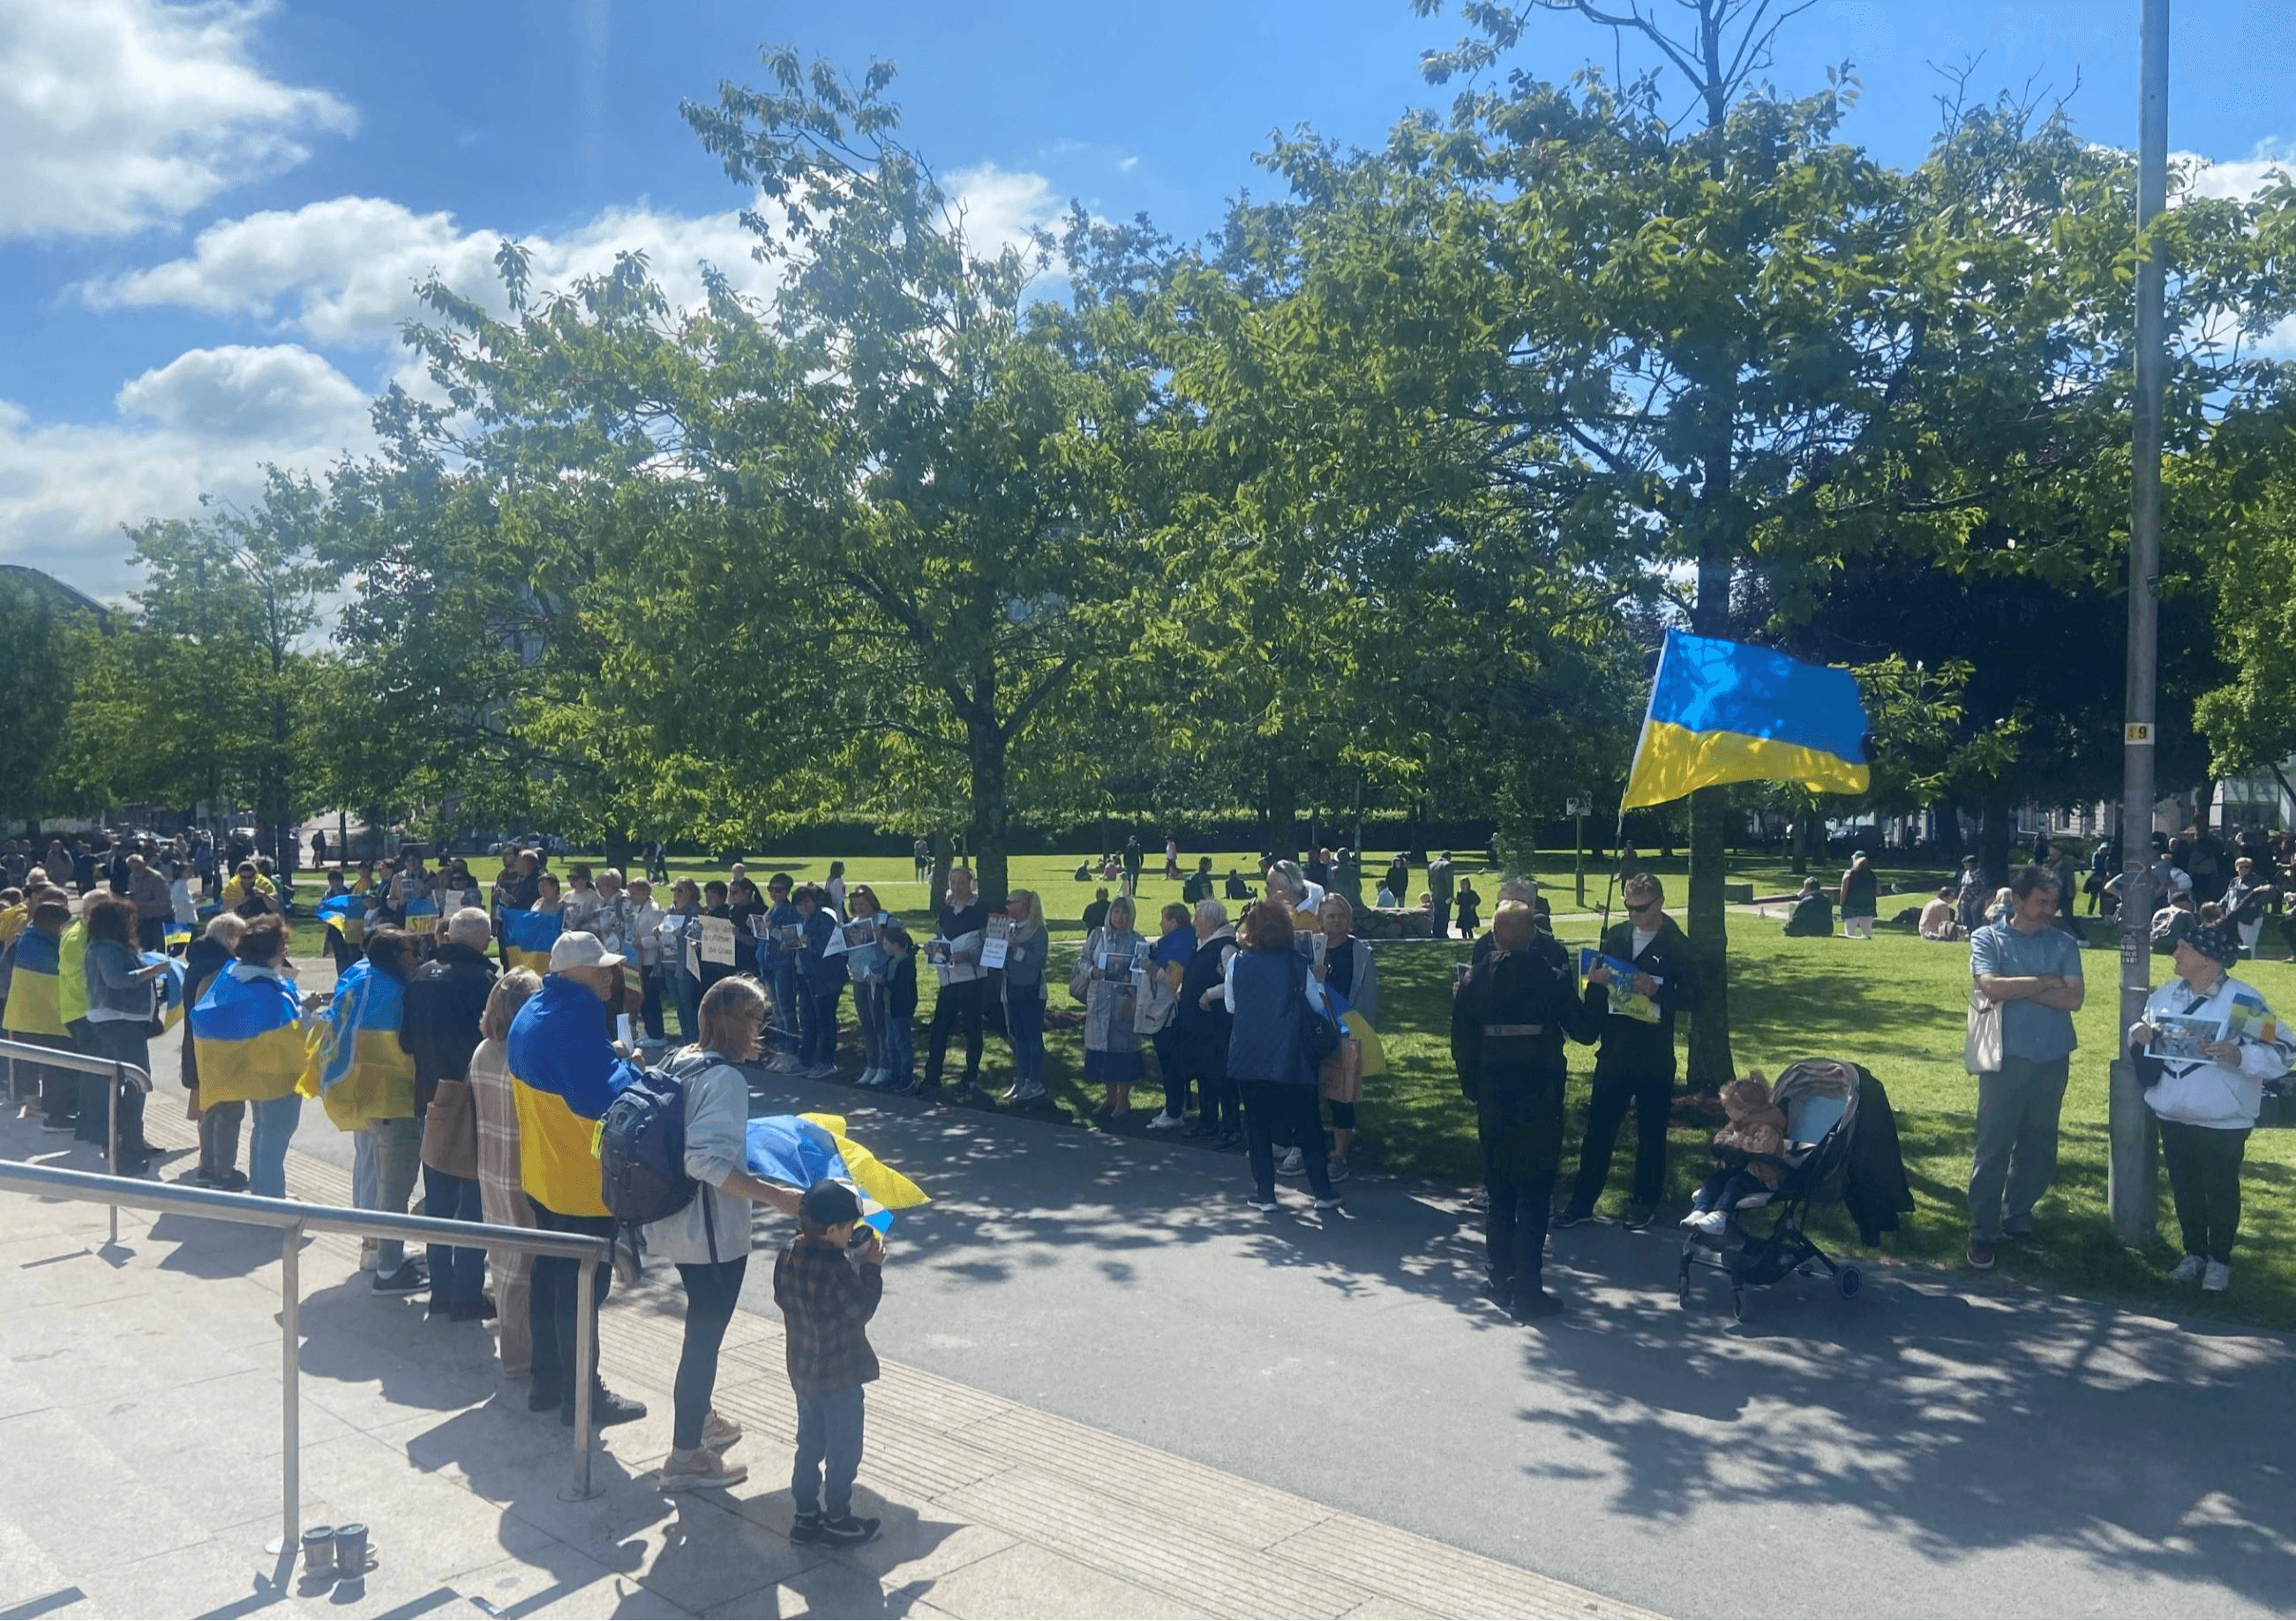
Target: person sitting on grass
1096, 914
826, 1301
1939, 921
1812, 917
1236, 889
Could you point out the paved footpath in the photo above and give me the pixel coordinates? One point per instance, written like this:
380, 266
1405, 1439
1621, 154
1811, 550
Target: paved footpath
1938, 1446
140, 1420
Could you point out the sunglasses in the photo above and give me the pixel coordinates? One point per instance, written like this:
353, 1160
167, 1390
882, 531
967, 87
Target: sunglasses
1646, 906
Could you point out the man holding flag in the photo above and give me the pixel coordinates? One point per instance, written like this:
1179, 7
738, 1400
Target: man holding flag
562, 1069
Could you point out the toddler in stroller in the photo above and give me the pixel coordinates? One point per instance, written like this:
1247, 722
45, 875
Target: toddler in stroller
1784, 1150
1757, 1126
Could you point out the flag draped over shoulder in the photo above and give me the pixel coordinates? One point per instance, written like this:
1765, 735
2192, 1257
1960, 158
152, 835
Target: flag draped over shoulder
33, 1009
345, 913
527, 937
1724, 712
247, 1033
563, 1075
355, 1066
799, 1151
1352, 1021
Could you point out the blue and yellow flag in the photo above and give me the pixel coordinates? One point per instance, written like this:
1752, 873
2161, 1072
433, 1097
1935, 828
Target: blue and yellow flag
247, 1037
345, 913
527, 937
178, 934
799, 1151
355, 1066
563, 1075
171, 987
1724, 712
33, 1009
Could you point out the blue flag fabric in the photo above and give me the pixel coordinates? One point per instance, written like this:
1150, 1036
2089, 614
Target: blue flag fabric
1724, 712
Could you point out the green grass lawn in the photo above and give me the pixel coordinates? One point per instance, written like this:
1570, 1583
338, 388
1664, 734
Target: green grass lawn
1894, 1003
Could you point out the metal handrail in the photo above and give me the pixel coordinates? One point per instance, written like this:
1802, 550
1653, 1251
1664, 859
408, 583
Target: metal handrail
292, 1221
68, 1058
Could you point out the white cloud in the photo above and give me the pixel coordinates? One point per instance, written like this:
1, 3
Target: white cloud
2238, 177
205, 423
116, 114
342, 272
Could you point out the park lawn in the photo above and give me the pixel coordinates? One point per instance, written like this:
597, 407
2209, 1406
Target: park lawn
1894, 1003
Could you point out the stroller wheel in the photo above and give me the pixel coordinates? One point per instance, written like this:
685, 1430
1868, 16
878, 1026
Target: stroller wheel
1682, 1286
1849, 1281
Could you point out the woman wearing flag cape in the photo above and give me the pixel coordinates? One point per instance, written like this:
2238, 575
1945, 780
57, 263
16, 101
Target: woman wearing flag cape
247, 1026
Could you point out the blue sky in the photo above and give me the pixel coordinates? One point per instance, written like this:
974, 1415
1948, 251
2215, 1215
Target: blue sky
214, 212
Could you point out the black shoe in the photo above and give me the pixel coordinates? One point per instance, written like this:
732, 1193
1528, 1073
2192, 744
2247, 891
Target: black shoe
231, 1182
436, 1310
1980, 1255
480, 1310
1529, 1303
2024, 1238
1205, 1131
542, 1398
407, 1280
1640, 1216
1499, 1291
846, 1532
1574, 1217
606, 1409
805, 1529
1231, 1139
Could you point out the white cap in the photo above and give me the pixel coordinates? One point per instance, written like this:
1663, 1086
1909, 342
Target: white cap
579, 949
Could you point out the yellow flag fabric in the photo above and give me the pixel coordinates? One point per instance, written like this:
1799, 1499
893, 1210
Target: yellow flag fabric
880, 1181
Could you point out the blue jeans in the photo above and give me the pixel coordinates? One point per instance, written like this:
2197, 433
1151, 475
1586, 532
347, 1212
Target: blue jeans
1024, 1022
266, 1149
819, 1045
783, 988
458, 1275
828, 1433
900, 1049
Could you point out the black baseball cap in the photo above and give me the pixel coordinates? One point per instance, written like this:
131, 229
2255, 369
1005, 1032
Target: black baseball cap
829, 1204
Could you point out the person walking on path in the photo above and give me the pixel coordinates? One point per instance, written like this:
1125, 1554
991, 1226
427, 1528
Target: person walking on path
1439, 885
501, 1197
2032, 972
826, 1300
1635, 1066
446, 999
2207, 1101
1508, 1023
1860, 899
562, 1062
963, 928
708, 1240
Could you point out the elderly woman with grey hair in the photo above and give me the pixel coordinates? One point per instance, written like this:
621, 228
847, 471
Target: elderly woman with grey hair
1287, 884
1203, 1022
1348, 970
1104, 981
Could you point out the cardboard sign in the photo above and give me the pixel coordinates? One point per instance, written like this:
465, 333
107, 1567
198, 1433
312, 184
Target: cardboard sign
999, 941
716, 940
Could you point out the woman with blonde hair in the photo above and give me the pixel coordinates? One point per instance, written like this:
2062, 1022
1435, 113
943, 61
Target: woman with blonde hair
708, 1240
1112, 954
502, 1192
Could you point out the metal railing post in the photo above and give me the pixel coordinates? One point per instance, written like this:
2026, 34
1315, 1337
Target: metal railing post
586, 1351
291, 1385
112, 1139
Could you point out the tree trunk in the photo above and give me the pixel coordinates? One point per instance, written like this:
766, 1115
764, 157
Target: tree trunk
988, 835
1994, 835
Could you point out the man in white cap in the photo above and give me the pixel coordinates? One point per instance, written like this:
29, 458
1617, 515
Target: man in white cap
561, 1065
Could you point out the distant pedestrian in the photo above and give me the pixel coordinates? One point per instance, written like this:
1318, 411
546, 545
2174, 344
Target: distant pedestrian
1860, 898
1440, 886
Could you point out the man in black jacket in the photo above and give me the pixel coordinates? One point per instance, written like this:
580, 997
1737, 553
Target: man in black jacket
439, 1028
1635, 1063
963, 923
1507, 1025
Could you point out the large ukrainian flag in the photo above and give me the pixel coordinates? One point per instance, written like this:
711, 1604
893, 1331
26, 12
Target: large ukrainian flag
1724, 712
355, 1066
563, 1074
527, 937
345, 914
33, 1009
246, 1036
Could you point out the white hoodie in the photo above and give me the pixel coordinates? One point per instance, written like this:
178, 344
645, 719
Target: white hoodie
2201, 1091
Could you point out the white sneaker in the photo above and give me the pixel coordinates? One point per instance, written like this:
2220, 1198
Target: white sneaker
1713, 1224
1294, 1164
2217, 1278
700, 1469
1336, 1170
1167, 1121
1693, 1219
2189, 1269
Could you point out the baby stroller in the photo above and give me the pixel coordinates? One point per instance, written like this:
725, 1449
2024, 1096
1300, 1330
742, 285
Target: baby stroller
1819, 1099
